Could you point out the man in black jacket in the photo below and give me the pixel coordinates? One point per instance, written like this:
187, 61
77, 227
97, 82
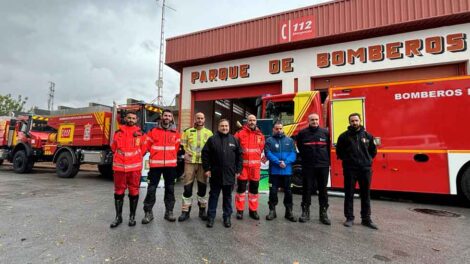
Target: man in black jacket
313, 143
356, 149
222, 162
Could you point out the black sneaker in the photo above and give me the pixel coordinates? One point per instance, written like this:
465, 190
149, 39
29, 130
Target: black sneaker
348, 223
210, 222
369, 224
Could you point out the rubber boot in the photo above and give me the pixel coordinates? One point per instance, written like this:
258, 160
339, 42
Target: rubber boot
324, 216
289, 215
305, 214
169, 216
202, 212
133, 200
118, 203
272, 213
184, 215
147, 218
239, 215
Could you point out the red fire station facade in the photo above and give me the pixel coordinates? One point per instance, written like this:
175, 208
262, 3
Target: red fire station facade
335, 44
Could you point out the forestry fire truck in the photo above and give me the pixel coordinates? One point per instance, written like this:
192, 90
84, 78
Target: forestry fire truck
420, 128
22, 137
72, 139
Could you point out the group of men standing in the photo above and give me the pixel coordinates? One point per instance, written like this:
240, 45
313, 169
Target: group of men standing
223, 159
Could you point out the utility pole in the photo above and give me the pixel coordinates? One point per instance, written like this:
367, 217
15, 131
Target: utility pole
50, 101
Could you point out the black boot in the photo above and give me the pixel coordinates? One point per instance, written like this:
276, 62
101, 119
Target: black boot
305, 213
133, 200
210, 222
272, 213
324, 216
289, 215
227, 222
202, 212
169, 216
239, 215
118, 203
254, 215
147, 218
184, 215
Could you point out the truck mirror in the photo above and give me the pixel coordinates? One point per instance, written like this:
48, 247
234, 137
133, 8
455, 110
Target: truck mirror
270, 109
377, 141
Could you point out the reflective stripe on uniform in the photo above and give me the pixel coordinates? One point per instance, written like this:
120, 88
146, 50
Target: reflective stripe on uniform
251, 150
162, 161
129, 153
251, 161
127, 166
163, 147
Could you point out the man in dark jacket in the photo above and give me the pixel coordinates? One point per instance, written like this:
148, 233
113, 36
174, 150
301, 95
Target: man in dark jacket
280, 151
313, 143
222, 162
356, 149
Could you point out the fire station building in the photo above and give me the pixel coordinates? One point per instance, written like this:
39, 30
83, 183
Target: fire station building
345, 42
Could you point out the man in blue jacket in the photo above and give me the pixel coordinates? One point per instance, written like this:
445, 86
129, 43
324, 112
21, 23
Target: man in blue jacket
280, 151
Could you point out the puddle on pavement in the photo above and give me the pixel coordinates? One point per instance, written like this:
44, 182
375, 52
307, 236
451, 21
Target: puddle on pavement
435, 212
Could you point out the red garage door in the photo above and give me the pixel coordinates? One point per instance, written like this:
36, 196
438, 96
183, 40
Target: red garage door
237, 92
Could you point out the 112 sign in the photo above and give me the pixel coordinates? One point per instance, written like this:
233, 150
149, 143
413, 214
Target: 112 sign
297, 29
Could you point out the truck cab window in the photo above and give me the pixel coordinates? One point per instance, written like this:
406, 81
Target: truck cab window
41, 126
281, 111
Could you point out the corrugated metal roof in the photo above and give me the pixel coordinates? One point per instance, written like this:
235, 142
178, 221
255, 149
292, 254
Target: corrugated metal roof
336, 21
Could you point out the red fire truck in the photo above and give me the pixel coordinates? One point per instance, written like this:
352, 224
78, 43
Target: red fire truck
71, 139
420, 129
22, 138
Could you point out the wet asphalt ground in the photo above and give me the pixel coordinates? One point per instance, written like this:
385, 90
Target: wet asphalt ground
45, 219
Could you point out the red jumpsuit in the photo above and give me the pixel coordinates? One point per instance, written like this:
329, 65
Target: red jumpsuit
128, 149
252, 144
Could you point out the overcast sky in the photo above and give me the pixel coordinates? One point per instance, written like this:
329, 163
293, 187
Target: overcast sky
100, 51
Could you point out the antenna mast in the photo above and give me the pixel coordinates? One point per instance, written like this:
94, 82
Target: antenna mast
50, 101
159, 82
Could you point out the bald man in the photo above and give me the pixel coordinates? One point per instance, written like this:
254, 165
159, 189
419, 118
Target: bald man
313, 144
193, 141
252, 144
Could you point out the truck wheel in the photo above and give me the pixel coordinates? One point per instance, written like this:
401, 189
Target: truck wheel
21, 163
65, 167
465, 184
106, 170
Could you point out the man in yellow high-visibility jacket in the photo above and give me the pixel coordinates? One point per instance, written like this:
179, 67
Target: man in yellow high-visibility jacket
193, 140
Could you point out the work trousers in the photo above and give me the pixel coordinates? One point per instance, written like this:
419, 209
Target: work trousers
363, 177
169, 174
214, 198
276, 181
127, 180
315, 176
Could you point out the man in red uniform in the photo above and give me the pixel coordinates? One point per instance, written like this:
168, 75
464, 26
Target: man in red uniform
252, 143
128, 149
163, 143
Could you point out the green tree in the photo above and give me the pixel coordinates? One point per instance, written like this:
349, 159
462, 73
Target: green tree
8, 104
